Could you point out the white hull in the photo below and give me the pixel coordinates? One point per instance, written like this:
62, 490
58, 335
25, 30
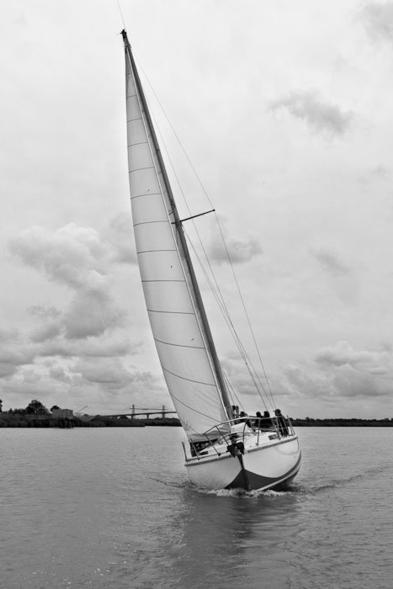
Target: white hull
268, 464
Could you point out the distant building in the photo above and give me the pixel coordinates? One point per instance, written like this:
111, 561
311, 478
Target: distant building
62, 413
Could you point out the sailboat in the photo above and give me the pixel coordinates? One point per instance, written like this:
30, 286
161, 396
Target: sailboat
224, 450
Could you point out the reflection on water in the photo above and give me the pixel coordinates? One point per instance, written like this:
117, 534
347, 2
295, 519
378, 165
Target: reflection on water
111, 509
237, 532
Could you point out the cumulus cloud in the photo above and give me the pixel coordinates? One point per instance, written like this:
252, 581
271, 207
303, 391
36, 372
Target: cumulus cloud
378, 20
77, 257
119, 233
377, 173
81, 348
91, 313
338, 275
240, 250
239, 376
43, 311
14, 352
109, 372
342, 372
72, 255
320, 116
115, 344
330, 262
33, 382
343, 354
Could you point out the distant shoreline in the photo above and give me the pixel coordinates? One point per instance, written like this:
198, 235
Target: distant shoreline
342, 422
48, 421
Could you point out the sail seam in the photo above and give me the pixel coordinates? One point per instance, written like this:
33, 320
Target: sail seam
139, 169
137, 143
164, 280
154, 251
145, 194
207, 384
171, 312
149, 222
178, 345
194, 410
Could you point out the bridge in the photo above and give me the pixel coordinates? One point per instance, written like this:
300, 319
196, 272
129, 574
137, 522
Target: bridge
144, 411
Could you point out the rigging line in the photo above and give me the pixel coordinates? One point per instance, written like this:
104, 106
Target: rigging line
246, 314
252, 372
216, 290
224, 306
221, 302
257, 348
121, 14
233, 391
242, 351
222, 237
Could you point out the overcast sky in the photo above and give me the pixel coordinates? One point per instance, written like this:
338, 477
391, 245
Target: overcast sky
286, 112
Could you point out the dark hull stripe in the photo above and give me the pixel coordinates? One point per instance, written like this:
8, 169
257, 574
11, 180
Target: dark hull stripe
257, 481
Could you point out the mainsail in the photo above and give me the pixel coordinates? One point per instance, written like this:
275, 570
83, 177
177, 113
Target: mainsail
177, 317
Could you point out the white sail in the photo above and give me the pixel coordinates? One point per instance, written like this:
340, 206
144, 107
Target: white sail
175, 318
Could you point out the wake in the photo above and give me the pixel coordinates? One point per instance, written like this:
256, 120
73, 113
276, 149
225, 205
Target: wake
342, 482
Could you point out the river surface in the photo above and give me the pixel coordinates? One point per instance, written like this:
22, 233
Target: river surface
111, 508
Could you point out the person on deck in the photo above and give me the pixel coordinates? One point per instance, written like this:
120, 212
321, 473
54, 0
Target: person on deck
267, 420
243, 417
282, 423
235, 411
258, 421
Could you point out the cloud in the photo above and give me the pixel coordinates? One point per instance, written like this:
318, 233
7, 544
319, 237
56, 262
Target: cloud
78, 258
74, 255
378, 21
240, 251
42, 311
339, 277
33, 382
91, 313
7, 335
319, 115
96, 347
330, 262
119, 233
71, 255
81, 346
342, 354
341, 372
112, 376
14, 352
240, 378
109, 372
378, 173
45, 332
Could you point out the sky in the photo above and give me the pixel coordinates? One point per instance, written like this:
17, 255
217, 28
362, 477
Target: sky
285, 110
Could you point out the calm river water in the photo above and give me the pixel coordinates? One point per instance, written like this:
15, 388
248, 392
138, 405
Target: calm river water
111, 508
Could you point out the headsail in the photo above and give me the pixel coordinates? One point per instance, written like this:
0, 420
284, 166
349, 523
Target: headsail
177, 317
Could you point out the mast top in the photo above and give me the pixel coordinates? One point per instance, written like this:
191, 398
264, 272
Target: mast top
123, 33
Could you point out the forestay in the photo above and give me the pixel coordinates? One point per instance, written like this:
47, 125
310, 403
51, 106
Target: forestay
175, 319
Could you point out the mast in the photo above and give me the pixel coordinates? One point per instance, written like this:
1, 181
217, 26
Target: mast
180, 233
